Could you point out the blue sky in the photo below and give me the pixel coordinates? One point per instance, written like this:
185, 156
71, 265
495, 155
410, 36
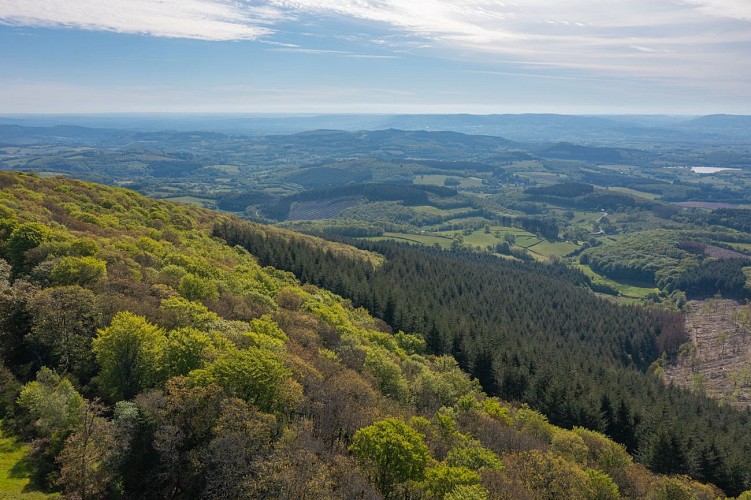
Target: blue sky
375, 56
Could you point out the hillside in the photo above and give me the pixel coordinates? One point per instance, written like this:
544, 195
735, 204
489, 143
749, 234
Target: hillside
716, 360
148, 359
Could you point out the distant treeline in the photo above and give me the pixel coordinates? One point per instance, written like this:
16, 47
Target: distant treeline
733, 218
715, 276
660, 258
563, 190
579, 195
407, 194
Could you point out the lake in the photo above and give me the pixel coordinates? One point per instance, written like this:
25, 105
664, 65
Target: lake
710, 170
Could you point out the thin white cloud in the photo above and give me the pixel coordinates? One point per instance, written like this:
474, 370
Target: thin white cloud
734, 9
303, 50
371, 56
688, 42
199, 19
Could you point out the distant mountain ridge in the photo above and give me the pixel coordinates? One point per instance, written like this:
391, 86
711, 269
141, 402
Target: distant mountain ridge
589, 129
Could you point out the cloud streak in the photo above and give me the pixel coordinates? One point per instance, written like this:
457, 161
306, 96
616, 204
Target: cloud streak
215, 20
694, 42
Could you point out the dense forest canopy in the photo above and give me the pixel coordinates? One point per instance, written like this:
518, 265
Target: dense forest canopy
530, 334
148, 359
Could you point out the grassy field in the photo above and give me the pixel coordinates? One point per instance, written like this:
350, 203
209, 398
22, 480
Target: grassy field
634, 192
439, 180
559, 249
15, 475
420, 239
431, 210
635, 291
227, 169
541, 177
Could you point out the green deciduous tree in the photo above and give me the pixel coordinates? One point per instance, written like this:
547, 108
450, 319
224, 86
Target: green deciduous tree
442, 479
23, 238
184, 351
394, 451
473, 456
65, 320
129, 352
83, 271
53, 403
194, 287
254, 375
88, 459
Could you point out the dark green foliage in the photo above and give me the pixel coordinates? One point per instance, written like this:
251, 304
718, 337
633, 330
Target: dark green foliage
408, 194
24, 238
715, 276
735, 218
527, 335
565, 190
65, 319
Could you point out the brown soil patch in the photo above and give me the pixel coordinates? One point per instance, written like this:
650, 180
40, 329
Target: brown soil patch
717, 360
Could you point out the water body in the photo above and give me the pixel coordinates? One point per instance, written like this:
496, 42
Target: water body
710, 170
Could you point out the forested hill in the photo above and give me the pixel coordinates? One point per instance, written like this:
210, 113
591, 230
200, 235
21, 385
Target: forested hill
530, 334
147, 359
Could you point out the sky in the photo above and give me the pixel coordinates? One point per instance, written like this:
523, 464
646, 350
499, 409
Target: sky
375, 56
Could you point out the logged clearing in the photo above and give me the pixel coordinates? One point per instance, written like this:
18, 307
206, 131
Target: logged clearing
717, 360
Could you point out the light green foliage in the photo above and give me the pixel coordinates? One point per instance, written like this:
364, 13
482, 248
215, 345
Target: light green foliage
266, 326
467, 403
384, 340
387, 372
180, 312
254, 375
83, 247
494, 410
467, 492
130, 353
442, 479
569, 445
82, 271
603, 487
645, 256
193, 287
436, 389
184, 351
411, 343
533, 422
54, 405
442, 386
473, 456
172, 274
604, 454
193, 264
150, 245
254, 339
440, 432
248, 278
394, 451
